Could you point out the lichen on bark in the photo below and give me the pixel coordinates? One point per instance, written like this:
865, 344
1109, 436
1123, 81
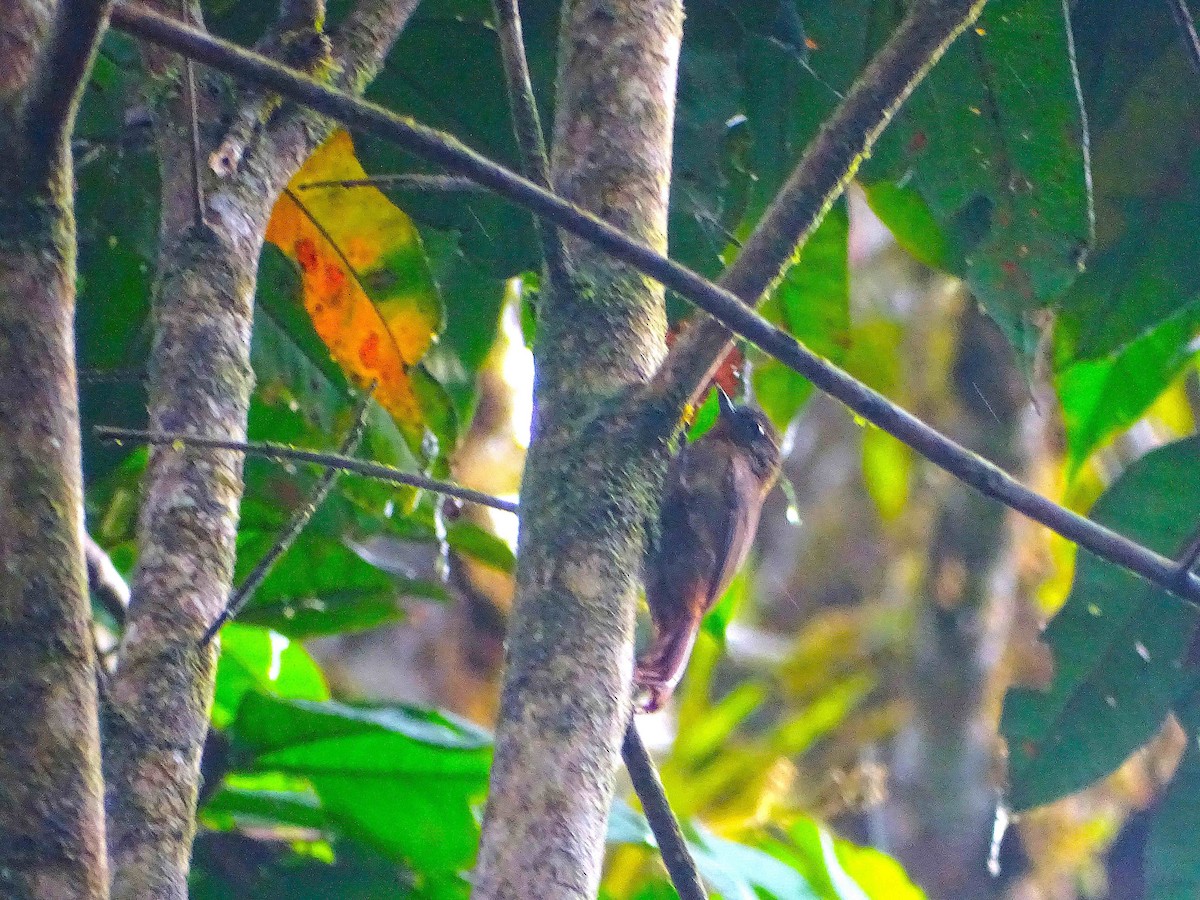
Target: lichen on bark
592, 479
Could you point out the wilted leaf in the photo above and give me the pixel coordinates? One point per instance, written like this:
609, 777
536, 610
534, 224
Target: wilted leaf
365, 280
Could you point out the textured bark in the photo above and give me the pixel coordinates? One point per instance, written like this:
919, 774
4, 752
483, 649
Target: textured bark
157, 707
51, 818
591, 482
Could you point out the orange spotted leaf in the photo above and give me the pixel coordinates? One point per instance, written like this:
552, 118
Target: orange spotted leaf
365, 279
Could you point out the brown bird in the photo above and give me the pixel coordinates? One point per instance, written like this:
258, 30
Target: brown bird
714, 493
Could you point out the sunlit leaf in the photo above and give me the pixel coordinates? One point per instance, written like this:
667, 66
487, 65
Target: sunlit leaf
1101, 397
811, 303
258, 659
364, 277
840, 869
402, 779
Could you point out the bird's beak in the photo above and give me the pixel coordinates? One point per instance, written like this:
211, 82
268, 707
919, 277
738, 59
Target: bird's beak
727, 407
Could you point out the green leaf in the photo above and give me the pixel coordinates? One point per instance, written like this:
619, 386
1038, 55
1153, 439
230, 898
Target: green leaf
908, 217
811, 303
1102, 397
425, 77
627, 826
1172, 853
1143, 117
116, 215
258, 659
405, 780
250, 808
320, 585
474, 301
840, 869
738, 871
887, 472
994, 141
1118, 643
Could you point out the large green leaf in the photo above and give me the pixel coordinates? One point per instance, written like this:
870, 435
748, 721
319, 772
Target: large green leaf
994, 140
737, 871
445, 71
1101, 397
258, 659
404, 780
1118, 643
811, 303
839, 869
1143, 115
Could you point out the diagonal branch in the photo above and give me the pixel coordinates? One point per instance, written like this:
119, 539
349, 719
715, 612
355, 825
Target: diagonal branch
60, 77
828, 165
531, 142
301, 518
722, 304
1187, 31
671, 846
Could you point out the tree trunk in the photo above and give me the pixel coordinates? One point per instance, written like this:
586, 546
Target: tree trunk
590, 484
51, 816
157, 709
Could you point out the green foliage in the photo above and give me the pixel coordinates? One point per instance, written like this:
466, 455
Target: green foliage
983, 174
812, 303
994, 141
1119, 643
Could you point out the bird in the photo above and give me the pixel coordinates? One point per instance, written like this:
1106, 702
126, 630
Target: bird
712, 498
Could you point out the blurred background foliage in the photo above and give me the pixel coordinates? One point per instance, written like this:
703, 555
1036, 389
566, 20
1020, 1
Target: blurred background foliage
1016, 265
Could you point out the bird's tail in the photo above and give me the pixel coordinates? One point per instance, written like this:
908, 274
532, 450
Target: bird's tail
660, 667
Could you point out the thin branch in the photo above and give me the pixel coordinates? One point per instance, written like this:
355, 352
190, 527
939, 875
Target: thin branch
105, 582
527, 127
407, 182
1187, 30
300, 519
828, 164
671, 845
61, 75
282, 452
719, 302
189, 79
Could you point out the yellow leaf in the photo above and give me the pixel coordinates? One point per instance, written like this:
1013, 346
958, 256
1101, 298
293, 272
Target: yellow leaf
366, 282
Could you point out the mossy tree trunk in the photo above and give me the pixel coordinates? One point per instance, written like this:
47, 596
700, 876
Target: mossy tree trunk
591, 480
51, 815
157, 708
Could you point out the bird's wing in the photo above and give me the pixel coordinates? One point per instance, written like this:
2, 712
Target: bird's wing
741, 521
